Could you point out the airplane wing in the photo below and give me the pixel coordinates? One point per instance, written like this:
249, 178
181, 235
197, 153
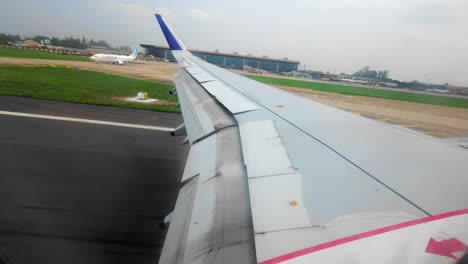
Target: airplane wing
272, 177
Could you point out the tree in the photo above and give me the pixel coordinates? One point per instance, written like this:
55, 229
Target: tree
39, 38
83, 42
366, 72
55, 41
69, 42
382, 75
5, 38
124, 48
371, 74
362, 72
99, 43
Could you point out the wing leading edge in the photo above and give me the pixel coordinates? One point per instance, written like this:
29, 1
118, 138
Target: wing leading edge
302, 181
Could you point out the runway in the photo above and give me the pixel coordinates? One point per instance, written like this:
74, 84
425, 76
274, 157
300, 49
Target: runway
73, 192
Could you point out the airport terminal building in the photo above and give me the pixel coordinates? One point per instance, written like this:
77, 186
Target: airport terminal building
234, 61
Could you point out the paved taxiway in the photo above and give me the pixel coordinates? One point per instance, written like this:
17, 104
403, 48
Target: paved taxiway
73, 192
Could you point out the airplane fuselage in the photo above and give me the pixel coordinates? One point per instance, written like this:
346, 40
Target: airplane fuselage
110, 58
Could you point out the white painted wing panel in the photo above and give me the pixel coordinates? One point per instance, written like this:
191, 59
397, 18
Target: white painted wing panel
197, 119
202, 219
439, 239
263, 149
233, 101
275, 187
203, 77
421, 169
277, 203
272, 244
190, 60
191, 121
183, 57
201, 160
194, 70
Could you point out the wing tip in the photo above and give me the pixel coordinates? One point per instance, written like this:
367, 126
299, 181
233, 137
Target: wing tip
171, 38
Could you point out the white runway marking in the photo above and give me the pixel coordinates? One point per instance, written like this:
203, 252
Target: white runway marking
88, 121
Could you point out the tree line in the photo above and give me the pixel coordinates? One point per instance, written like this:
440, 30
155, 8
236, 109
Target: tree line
5, 38
69, 42
366, 72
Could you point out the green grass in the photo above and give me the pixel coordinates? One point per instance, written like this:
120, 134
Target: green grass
35, 54
80, 86
371, 92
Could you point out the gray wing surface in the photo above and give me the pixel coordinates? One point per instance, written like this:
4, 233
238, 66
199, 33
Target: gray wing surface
271, 173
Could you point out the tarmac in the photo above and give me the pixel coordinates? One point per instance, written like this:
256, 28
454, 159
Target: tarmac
75, 192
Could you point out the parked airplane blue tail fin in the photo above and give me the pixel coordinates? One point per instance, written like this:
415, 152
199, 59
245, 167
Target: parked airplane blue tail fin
135, 52
171, 38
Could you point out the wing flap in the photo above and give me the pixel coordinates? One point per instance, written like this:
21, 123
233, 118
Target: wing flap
196, 119
263, 150
201, 160
175, 243
202, 77
277, 203
232, 100
194, 70
225, 95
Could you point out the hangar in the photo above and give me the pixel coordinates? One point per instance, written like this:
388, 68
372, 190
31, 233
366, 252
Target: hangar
234, 61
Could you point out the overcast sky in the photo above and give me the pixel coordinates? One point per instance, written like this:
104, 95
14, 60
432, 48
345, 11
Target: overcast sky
425, 40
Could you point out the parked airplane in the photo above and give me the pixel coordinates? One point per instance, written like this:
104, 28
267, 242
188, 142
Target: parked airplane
272, 177
354, 81
115, 59
438, 91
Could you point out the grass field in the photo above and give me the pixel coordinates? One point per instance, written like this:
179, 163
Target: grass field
361, 91
81, 86
34, 54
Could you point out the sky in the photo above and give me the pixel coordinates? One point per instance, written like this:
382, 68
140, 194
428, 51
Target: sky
424, 40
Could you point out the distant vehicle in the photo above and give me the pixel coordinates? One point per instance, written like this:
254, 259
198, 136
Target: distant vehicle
253, 70
162, 59
115, 59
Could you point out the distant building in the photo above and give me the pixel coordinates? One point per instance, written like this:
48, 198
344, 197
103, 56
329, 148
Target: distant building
45, 42
234, 61
98, 49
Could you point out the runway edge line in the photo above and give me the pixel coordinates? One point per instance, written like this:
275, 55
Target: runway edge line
87, 121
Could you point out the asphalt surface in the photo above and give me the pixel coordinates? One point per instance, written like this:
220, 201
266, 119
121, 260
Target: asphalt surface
85, 193
104, 113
